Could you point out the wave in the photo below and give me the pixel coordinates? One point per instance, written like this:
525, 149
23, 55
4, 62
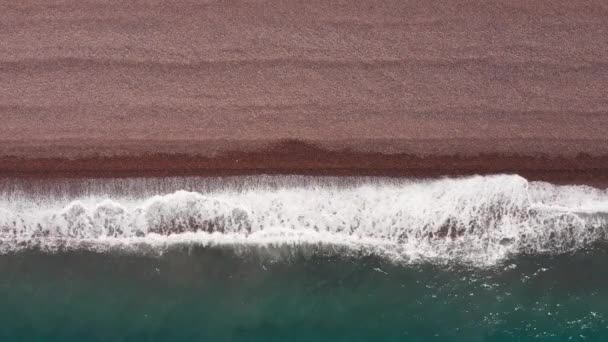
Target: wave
480, 220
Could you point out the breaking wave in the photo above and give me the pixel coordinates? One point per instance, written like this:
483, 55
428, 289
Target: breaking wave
480, 220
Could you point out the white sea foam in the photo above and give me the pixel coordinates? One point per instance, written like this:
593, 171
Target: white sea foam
479, 220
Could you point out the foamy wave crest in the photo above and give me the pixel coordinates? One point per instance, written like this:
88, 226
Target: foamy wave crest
479, 220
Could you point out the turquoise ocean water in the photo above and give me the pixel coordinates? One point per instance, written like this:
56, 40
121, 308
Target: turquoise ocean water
493, 258
213, 295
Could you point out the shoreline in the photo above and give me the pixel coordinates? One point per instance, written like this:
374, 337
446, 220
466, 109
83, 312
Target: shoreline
296, 158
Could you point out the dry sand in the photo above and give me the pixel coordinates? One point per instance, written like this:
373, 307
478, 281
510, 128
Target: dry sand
151, 85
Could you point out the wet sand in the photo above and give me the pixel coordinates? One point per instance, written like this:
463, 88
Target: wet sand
293, 157
386, 87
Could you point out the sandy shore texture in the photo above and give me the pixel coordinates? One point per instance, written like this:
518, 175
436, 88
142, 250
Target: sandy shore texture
375, 87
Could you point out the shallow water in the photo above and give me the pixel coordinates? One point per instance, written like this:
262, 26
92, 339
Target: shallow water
494, 258
216, 294
475, 220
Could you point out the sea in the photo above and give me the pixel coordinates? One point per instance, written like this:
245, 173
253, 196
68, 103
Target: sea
299, 258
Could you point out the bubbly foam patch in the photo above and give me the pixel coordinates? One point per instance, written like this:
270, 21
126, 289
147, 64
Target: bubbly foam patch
479, 220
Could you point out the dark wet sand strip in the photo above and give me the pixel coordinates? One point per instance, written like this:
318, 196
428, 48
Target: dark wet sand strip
303, 159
